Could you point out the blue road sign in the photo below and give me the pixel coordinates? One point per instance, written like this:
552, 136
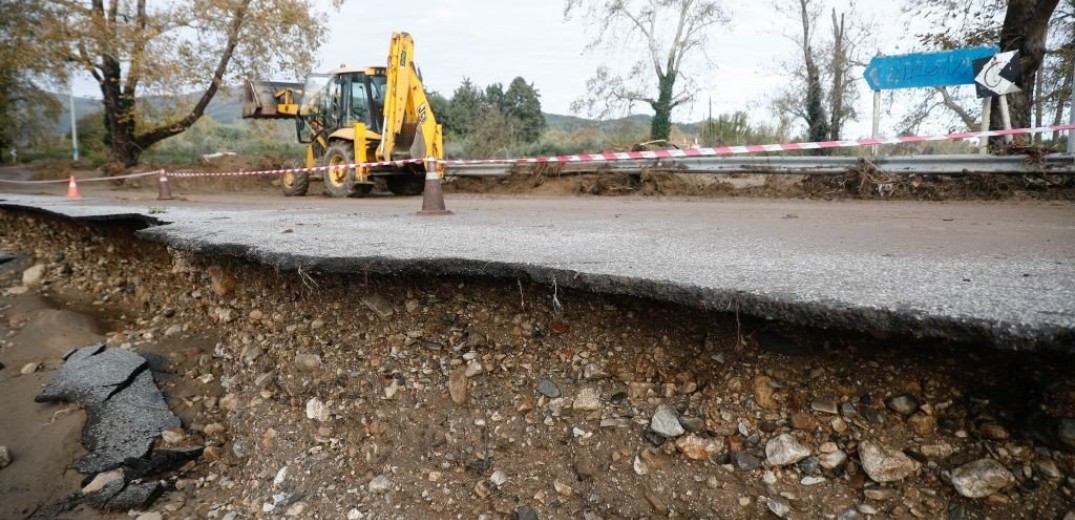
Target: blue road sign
926, 69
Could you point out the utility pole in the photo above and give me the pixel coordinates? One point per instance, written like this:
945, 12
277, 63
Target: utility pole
74, 126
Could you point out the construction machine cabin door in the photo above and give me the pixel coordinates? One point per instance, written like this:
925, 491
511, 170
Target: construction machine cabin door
364, 95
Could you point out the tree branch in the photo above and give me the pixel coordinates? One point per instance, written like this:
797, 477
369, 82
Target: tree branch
134, 72
951, 104
167, 130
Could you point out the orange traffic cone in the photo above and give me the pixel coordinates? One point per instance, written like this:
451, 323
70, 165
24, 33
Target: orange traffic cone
164, 192
72, 189
433, 196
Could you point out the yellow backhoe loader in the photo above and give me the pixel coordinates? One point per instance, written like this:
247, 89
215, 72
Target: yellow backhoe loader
356, 115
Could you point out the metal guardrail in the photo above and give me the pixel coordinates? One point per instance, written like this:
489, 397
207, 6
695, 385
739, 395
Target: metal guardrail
803, 165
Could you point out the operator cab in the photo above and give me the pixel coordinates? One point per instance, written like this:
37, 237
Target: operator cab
342, 98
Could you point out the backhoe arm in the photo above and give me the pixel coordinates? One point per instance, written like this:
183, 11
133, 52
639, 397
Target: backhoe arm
410, 129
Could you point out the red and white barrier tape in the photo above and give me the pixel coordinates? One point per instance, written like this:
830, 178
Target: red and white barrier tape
294, 170
89, 179
684, 153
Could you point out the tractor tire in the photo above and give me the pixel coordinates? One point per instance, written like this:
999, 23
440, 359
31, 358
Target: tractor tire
295, 184
406, 184
340, 181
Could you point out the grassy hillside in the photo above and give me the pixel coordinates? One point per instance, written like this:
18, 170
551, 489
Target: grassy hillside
226, 109
223, 130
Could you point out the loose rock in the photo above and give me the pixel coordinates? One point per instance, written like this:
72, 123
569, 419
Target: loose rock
307, 362
994, 431
457, 386
474, 368
833, 460
548, 389
29, 368
222, 282
825, 406
378, 304
380, 484
32, 276
905, 404
778, 507
98, 483
5, 457
981, 478
666, 422
745, 461
1048, 469
317, 410
173, 435
696, 448
763, 393
785, 449
884, 464
922, 424
587, 400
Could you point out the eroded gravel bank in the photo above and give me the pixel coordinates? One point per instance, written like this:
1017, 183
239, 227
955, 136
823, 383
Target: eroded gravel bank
355, 396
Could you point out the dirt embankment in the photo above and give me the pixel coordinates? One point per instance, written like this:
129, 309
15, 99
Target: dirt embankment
864, 182
356, 396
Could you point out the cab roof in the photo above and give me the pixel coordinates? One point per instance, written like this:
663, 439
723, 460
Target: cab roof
374, 70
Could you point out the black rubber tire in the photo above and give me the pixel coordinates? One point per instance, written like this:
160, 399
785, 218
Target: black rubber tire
295, 184
406, 184
341, 182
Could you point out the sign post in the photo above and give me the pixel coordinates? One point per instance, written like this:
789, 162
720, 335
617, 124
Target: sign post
876, 120
920, 70
987, 114
999, 76
1071, 115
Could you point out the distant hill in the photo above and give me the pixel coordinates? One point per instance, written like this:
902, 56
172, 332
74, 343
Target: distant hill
226, 108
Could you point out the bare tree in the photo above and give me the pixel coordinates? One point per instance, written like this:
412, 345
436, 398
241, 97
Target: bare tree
671, 32
823, 91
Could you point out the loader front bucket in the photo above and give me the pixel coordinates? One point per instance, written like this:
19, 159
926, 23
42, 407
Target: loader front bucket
267, 99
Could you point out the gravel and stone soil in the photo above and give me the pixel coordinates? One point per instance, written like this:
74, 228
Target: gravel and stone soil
355, 396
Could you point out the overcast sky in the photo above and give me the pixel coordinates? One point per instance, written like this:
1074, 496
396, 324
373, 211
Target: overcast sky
497, 40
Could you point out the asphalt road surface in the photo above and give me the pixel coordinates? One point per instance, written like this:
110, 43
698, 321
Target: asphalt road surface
999, 274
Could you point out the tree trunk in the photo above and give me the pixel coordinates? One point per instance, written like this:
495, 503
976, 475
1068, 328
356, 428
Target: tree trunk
1062, 97
817, 124
661, 124
1026, 24
815, 108
836, 95
119, 116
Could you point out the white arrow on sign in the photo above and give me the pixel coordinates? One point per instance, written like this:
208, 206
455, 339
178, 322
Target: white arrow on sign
997, 75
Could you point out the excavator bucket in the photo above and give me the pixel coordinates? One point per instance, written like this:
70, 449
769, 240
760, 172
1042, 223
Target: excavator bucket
270, 99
